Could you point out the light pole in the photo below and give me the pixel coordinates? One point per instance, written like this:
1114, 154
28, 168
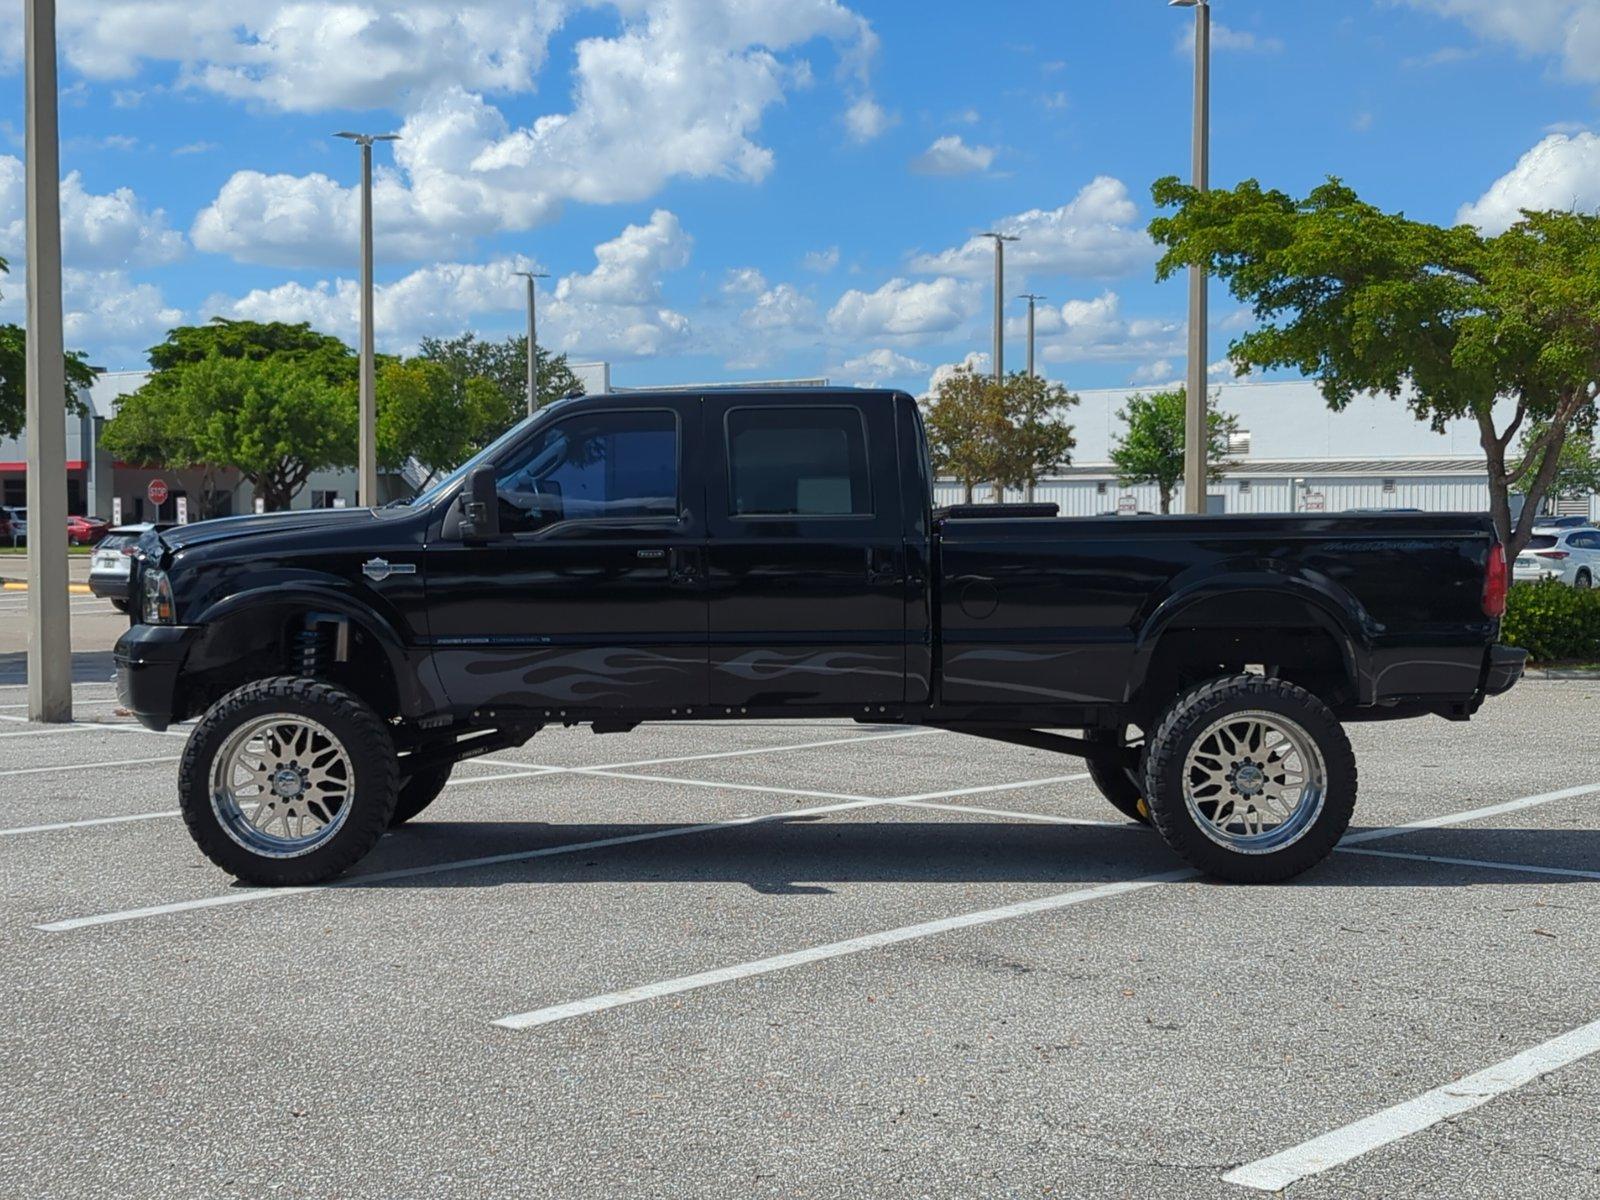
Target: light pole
1195, 434
1032, 300
1000, 240
367, 440
533, 339
49, 630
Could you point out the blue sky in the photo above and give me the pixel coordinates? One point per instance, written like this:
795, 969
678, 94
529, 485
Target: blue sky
737, 189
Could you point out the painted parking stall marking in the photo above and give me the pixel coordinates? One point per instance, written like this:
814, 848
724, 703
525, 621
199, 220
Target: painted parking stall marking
1413, 1116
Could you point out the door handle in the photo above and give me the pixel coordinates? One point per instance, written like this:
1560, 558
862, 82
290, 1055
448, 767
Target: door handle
883, 567
683, 565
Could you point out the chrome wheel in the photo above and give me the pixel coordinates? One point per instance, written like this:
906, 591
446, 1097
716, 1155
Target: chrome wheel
281, 786
1254, 782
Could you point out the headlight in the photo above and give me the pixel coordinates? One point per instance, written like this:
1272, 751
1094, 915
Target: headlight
155, 605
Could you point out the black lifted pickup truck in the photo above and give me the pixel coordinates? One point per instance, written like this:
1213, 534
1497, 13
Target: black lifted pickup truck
763, 554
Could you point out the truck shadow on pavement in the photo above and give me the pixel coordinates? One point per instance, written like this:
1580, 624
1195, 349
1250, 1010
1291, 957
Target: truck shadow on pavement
807, 856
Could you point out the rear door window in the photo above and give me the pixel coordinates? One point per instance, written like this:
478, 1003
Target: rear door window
798, 462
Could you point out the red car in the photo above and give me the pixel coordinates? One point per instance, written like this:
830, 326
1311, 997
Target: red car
86, 531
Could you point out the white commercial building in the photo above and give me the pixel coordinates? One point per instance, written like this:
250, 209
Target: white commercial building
1292, 453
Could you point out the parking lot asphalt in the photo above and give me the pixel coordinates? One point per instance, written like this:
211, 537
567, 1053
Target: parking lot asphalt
807, 959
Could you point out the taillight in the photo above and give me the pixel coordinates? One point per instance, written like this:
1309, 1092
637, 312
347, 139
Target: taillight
1495, 582
1551, 554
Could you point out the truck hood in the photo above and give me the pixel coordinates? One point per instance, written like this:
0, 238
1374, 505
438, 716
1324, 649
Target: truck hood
302, 521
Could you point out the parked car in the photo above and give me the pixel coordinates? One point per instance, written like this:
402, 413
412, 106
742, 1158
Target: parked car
1564, 523
762, 555
16, 525
86, 531
110, 565
1570, 555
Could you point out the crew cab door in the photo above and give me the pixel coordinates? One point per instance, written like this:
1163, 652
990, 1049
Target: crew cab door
806, 561
592, 596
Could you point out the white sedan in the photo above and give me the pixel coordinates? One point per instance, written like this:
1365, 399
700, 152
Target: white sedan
1570, 555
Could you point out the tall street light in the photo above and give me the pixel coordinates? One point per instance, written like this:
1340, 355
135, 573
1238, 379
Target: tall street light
49, 631
1000, 240
367, 441
1195, 436
533, 339
1032, 300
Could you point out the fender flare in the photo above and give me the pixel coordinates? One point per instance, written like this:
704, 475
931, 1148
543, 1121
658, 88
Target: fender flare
314, 597
1305, 594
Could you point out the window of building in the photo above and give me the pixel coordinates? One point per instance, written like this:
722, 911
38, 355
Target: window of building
1244, 487
1099, 489
1389, 485
793, 462
16, 493
324, 499
598, 466
1239, 442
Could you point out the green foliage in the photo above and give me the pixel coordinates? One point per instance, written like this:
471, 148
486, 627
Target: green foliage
1578, 468
1007, 434
321, 353
275, 420
503, 365
1446, 319
419, 416
1150, 450
14, 376
1553, 621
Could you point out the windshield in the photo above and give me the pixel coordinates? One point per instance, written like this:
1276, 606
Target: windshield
482, 456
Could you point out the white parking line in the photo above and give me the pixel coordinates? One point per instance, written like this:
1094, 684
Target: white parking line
1471, 814
1446, 860
43, 732
1413, 1116
577, 1008
246, 896
856, 945
84, 824
117, 764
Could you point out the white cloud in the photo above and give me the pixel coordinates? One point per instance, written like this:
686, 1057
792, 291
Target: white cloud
875, 366
866, 120
1096, 330
951, 156
904, 309
1567, 29
1153, 373
821, 261
782, 307
743, 281
1561, 172
977, 362
98, 230
614, 310
1224, 37
1093, 235
105, 312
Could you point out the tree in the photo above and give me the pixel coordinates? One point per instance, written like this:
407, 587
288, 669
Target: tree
1450, 320
1577, 473
1005, 433
321, 353
273, 419
420, 417
503, 364
1151, 448
14, 376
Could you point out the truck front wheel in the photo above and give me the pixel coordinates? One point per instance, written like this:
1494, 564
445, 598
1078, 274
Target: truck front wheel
288, 781
1250, 779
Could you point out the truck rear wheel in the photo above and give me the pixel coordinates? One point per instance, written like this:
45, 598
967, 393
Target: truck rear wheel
1116, 782
419, 790
288, 781
1251, 780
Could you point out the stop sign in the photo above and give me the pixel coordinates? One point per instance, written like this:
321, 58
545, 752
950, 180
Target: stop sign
157, 491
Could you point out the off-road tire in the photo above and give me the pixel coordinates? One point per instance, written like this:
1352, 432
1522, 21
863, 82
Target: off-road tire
365, 739
418, 791
1168, 752
1110, 774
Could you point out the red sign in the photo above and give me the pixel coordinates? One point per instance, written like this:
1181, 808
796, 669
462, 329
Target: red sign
157, 491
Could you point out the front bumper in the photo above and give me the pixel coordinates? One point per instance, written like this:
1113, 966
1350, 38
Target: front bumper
148, 659
109, 587
1505, 668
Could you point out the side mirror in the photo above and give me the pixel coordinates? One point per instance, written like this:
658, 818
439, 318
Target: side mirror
480, 506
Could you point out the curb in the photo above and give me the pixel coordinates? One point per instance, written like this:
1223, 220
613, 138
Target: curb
73, 589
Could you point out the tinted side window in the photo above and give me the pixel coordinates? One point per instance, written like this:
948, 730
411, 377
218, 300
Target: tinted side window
793, 462
596, 466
